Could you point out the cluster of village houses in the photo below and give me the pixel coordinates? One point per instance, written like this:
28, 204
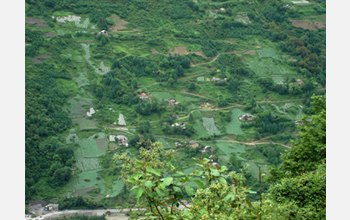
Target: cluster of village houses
298, 81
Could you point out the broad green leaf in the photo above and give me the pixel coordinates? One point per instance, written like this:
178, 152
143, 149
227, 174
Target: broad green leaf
179, 172
131, 180
136, 176
177, 189
162, 186
223, 169
249, 203
215, 172
167, 181
222, 179
134, 188
139, 164
151, 194
189, 190
148, 184
199, 173
156, 172
199, 184
170, 217
138, 192
230, 197
160, 192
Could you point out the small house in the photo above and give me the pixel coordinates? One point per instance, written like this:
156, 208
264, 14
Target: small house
246, 117
122, 140
207, 149
193, 144
299, 81
298, 123
178, 144
143, 96
172, 102
281, 83
222, 9
216, 79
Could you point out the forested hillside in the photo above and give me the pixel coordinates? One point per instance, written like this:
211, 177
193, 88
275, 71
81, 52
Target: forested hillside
226, 83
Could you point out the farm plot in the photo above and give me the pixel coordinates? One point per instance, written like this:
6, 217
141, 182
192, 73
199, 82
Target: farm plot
234, 127
102, 69
119, 24
267, 67
90, 147
117, 187
243, 18
201, 132
306, 24
77, 104
166, 145
231, 149
86, 164
267, 52
88, 181
86, 124
191, 107
209, 124
200, 79
75, 19
162, 95
81, 79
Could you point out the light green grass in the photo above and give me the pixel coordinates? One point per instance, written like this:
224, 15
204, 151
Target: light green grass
234, 127
89, 148
252, 168
166, 145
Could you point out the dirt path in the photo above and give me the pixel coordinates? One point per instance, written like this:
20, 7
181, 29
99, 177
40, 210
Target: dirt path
230, 141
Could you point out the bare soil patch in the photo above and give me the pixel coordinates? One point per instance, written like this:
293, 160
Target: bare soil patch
41, 56
292, 59
119, 24
231, 41
181, 50
30, 20
84, 41
154, 51
49, 35
320, 24
199, 53
251, 52
42, 25
306, 24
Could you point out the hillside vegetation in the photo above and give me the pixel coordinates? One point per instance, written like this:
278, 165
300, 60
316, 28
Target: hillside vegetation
96, 70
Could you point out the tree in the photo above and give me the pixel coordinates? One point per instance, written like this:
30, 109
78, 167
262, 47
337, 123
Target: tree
155, 180
301, 177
